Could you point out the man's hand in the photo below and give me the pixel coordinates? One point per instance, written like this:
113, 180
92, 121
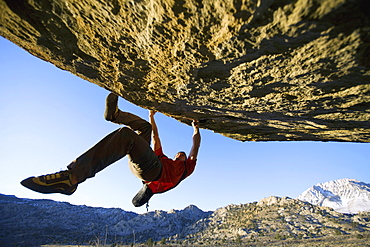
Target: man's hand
195, 125
151, 113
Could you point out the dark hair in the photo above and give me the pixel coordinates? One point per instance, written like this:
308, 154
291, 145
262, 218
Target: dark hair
183, 153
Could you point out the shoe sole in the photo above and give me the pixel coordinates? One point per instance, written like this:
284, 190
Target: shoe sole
28, 183
110, 107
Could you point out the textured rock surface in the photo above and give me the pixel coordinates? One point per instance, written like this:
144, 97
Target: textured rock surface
259, 70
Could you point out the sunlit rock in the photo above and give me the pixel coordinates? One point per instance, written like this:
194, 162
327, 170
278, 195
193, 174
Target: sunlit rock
262, 70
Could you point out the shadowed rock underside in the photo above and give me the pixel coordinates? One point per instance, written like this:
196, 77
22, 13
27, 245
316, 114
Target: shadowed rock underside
261, 70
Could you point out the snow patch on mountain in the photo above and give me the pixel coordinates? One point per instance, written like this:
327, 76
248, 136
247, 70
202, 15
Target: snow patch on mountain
343, 195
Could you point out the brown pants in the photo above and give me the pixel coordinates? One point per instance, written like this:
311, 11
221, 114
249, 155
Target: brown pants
143, 162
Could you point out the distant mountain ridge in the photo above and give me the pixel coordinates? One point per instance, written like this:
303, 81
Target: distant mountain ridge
27, 222
343, 195
64, 222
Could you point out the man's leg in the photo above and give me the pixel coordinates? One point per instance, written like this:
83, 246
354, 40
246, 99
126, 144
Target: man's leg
107, 151
113, 114
111, 148
143, 162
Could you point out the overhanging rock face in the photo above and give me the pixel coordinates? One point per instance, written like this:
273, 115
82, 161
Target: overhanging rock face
262, 70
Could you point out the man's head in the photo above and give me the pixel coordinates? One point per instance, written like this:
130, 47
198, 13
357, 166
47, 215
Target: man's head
180, 156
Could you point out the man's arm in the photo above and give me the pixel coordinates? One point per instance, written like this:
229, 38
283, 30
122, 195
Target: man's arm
155, 136
196, 141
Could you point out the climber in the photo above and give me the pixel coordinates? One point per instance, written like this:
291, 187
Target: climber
157, 172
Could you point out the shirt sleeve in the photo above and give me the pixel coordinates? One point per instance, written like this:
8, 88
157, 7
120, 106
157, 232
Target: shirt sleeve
159, 152
190, 166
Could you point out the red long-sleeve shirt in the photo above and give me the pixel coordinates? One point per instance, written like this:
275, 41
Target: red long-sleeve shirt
173, 172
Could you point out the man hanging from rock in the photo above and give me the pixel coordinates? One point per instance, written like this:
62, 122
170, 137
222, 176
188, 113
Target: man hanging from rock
157, 172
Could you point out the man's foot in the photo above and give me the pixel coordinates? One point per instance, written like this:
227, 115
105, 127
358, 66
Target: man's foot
59, 182
111, 107
143, 196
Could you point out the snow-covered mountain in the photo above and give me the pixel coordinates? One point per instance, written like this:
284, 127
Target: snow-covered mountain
343, 195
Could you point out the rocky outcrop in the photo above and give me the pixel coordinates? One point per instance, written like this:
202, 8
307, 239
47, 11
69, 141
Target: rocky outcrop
263, 70
275, 218
251, 224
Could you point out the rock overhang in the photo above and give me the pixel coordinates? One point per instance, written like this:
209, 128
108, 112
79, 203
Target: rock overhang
251, 70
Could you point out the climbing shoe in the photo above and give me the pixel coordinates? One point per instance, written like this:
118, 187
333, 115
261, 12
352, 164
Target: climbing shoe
111, 107
59, 182
143, 196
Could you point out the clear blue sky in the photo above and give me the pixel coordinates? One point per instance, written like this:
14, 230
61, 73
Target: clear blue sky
49, 117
